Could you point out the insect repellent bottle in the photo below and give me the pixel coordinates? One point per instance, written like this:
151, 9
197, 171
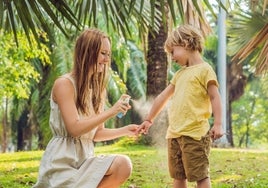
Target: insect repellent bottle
124, 101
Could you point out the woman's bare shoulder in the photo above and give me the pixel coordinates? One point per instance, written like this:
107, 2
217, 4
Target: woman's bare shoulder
62, 87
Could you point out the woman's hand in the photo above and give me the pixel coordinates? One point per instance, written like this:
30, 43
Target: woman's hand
121, 106
132, 129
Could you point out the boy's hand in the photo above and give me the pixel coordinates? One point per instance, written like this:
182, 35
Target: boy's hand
144, 127
216, 132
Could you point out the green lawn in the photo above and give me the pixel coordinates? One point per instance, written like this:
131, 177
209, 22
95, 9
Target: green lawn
230, 168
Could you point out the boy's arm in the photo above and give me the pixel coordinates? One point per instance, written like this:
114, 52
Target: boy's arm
158, 104
213, 92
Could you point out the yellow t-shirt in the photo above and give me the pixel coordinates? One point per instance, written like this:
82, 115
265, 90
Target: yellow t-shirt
190, 106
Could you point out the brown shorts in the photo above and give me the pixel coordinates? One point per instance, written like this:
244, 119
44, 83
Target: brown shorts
189, 158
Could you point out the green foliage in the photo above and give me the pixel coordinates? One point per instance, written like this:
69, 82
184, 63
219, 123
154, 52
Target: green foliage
243, 26
229, 167
136, 74
126, 142
17, 65
210, 51
133, 141
116, 87
32, 15
120, 56
117, 16
246, 24
249, 115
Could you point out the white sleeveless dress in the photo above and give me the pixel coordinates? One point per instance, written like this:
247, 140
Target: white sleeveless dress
70, 162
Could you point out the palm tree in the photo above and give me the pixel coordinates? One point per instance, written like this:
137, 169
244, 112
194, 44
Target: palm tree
70, 16
251, 48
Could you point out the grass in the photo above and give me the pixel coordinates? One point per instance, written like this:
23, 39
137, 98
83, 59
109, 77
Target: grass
230, 168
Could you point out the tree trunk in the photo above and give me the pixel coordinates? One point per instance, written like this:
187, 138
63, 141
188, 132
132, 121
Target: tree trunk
241, 140
229, 126
248, 122
5, 126
43, 98
24, 132
236, 83
157, 63
157, 80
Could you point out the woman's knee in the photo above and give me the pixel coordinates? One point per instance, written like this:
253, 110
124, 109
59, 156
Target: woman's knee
124, 165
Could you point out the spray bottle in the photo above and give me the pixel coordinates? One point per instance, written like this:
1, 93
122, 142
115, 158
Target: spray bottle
124, 101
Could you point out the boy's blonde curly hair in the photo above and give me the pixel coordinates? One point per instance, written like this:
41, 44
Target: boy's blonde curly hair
186, 36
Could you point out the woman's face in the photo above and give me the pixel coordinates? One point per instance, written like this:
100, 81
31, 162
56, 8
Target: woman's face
104, 54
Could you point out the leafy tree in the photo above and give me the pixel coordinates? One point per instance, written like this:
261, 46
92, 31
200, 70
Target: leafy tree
18, 72
250, 115
16, 67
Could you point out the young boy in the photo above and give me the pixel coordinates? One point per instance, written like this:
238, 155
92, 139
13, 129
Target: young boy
194, 95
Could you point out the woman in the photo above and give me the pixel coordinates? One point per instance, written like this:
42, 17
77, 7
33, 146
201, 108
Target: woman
77, 119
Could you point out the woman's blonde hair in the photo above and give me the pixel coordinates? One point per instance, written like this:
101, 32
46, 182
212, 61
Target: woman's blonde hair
90, 84
186, 36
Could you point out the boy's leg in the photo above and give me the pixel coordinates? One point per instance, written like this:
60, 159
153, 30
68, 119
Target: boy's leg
175, 164
204, 183
195, 157
179, 183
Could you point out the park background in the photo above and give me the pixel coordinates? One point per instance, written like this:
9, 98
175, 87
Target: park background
37, 39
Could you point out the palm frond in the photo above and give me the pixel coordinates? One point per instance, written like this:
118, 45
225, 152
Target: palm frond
117, 15
192, 12
116, 87
255, 4
262, 61
120, 62
137, 73
265, 3
31, 15
243, 26
62, 55
258, 40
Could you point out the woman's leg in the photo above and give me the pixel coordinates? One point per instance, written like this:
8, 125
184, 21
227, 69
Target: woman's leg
118, 173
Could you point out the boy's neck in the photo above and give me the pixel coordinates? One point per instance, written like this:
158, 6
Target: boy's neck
194, 59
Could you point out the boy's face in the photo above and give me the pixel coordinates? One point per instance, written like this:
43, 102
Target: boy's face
179, 55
